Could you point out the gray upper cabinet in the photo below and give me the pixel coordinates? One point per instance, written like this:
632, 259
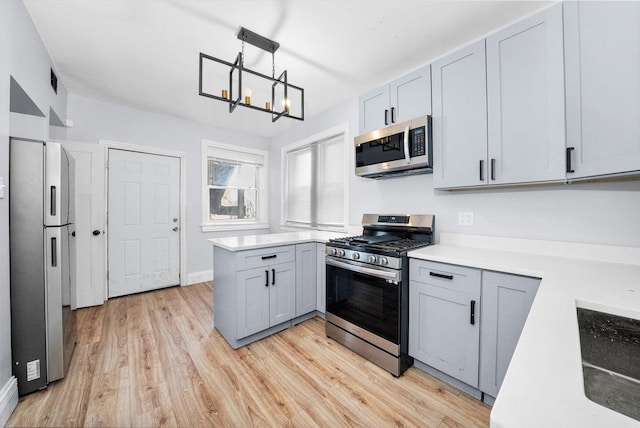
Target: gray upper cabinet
444, 318
403, 99
460, 118
498, 107
306, 281
506, 301
525, 86
602, 55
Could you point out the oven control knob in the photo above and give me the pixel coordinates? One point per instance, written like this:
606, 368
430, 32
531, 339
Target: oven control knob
372, 259
355, 256
383, 261
341, 253
334, 251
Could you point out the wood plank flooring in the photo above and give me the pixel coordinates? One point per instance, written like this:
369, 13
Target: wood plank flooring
154, 359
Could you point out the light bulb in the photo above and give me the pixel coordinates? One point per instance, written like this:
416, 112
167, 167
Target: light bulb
247, 96
287, 106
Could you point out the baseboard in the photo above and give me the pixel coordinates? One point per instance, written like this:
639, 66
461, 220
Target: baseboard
8, 400
198, 277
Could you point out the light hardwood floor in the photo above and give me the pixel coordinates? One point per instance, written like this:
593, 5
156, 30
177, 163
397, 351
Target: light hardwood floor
154, 359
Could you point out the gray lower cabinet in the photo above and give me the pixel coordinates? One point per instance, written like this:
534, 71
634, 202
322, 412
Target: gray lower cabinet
466, 322
321, 275
444, 318
254, 292
506, 301
266, 297
602, 65
306, 281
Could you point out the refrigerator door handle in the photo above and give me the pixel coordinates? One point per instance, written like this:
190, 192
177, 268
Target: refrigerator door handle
52, 209
54, 252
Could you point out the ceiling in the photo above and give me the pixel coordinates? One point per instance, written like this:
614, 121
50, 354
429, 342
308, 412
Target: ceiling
144, 53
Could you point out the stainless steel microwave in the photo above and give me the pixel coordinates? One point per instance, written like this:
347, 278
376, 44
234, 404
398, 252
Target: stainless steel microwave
401, 149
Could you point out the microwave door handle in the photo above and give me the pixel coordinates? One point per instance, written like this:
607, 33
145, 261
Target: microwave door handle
407, 156
394, 276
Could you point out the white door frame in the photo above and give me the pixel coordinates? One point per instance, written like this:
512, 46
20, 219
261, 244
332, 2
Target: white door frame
183, 195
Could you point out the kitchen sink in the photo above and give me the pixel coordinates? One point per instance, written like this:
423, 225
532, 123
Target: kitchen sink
610, 346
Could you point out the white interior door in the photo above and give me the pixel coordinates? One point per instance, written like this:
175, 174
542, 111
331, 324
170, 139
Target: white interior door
143, 219
90, 267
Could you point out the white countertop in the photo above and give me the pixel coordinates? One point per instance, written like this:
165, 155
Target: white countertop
250, 242
543, 386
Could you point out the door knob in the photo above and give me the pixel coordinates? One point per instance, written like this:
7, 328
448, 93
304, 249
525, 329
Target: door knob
175, 229
96, 232
175, 220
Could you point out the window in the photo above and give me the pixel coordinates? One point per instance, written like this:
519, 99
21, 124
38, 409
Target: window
235, 187
314, 182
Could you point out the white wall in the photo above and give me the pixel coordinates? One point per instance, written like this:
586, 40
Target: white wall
602, 213
95, 120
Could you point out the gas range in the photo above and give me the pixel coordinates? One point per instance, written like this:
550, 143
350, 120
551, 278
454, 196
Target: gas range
367, 287
385, 239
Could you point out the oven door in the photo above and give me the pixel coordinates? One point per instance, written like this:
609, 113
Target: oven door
367, 297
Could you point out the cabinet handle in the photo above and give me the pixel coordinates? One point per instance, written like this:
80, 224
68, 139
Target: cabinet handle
481, 169
386, 116
393, 115
273, 276
568, 159
266, 273
272, 256
473, 312
440, 275
493, 169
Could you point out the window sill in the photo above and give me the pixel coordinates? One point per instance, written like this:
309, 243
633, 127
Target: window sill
232, 226
291, 228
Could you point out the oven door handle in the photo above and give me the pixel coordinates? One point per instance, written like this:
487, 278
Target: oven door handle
393, 276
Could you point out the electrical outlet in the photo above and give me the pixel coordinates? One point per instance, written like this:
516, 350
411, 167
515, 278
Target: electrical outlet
465, 218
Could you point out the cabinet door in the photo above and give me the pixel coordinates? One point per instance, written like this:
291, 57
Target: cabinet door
282, 293
442, 332
321, 275
506, 300
525, 94
253, 301
602, 54
374, 109
460, 118
306, 281
410, 96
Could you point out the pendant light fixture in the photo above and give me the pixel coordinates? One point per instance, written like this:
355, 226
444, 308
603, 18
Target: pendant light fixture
237, 70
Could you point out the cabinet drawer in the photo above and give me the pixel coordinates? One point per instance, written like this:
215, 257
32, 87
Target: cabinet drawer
444, 275
251, 259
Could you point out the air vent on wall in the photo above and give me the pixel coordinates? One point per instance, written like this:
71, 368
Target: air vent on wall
54, 81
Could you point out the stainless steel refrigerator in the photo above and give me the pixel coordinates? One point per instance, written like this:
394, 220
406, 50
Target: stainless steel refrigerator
41, 227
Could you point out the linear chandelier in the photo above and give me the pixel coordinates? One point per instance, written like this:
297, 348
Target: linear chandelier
237, 68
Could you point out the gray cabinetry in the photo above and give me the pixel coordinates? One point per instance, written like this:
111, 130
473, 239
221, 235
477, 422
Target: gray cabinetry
254, 292
503, 124
266, 297
525, 87
321, 275
506, 300
602, 60
306, 281
444, 318
460, 118
402, 99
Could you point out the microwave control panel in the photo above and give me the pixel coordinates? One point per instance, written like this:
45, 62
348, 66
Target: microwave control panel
417, 137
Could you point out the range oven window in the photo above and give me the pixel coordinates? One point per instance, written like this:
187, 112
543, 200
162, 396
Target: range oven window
366, 301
